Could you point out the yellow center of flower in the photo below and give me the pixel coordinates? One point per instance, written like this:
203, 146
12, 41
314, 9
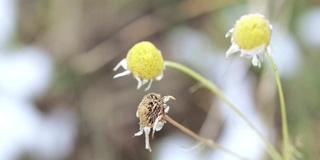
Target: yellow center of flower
145, 61
252, 31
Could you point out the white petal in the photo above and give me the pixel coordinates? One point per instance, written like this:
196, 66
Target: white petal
270, 26
166, 110
159, 77
144, 81
261, 57
255, 61
139, 81
149, 85
229, 32
245, 54
256, 51
138, 133
157, 125
127, 72
167, 98
146, 133
122, 63
233, 49
270, 50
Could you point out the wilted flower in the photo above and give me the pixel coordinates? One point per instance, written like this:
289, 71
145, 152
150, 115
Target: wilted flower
251, 36
151, 112
145, 62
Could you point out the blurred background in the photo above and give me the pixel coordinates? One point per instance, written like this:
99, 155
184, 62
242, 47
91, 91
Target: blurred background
59, 101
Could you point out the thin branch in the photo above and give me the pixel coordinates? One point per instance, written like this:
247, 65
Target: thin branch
211, 86
206, 141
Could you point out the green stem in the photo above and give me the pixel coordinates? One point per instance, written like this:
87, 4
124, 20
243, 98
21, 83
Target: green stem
285, 133
270, 149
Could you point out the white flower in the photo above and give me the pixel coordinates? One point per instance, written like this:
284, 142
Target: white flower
145, 62
251, 36
151, 112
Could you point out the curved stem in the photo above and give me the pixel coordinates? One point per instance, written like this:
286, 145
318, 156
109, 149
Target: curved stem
285, 133
206, 141
270, 149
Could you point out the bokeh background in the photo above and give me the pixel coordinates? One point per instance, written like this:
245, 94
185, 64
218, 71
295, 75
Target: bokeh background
59, 101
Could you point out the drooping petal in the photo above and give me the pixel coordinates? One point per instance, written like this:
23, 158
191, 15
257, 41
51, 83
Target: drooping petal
146, 133
149, 85
158, 78
144, 81
157, 125
167, 98
245, 54
122, 63
255, 61
229, 32
127, 72
233, 49
139, 81
138, 133
166, 110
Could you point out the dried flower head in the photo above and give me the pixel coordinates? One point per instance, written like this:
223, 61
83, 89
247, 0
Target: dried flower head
251, 36
151, 112
145, 62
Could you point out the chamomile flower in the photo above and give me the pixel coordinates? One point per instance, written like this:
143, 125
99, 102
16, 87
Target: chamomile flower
151, 112
145, 62
251, 36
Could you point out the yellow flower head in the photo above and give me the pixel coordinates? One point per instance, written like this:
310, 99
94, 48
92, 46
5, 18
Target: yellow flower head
145, 62
251, 36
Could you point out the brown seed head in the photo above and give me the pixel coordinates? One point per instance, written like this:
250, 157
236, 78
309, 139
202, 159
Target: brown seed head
151, 107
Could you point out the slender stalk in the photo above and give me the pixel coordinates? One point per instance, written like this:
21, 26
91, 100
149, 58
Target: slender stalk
285, 133
269, 148
206, 141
